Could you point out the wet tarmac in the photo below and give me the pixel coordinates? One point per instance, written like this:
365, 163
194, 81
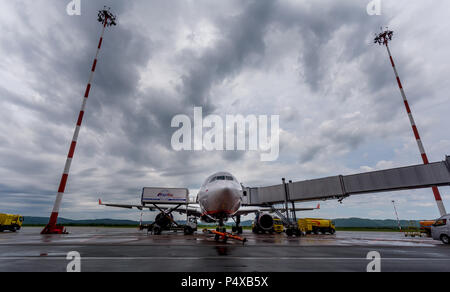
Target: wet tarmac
126, 249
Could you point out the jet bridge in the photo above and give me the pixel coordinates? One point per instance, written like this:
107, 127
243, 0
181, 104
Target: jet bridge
342, 186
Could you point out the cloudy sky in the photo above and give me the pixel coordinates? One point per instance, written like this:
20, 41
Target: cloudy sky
313, 63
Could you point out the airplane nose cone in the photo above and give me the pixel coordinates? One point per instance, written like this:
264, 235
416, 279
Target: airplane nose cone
230, 194
226, 200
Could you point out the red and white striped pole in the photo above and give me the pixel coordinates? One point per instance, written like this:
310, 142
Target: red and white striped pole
384, 38
52, 228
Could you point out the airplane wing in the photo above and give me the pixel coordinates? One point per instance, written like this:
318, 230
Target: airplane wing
140, 207
245, 210
192, 209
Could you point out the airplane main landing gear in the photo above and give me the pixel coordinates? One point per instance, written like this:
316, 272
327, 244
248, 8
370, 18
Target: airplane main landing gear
237, 228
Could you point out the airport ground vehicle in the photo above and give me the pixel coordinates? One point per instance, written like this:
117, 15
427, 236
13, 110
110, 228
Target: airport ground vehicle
166, 222
412, 230
278, 226
440, 230
316, 226
425, 226
10, 222
191, 226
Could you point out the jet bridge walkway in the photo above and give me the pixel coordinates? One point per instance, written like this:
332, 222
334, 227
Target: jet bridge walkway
342, 186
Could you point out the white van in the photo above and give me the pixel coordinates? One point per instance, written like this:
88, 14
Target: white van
440, 230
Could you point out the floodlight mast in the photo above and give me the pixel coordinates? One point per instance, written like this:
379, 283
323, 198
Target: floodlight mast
384, 38
396, 214
107, 19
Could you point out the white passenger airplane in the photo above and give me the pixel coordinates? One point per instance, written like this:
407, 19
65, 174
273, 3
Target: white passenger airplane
219, 199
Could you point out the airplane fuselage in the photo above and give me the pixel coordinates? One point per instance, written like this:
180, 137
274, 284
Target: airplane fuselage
220, 196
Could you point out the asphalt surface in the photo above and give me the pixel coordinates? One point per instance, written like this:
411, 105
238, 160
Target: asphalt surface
125, 249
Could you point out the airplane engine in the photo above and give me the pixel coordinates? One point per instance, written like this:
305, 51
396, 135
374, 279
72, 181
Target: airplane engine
163, 220
265, 222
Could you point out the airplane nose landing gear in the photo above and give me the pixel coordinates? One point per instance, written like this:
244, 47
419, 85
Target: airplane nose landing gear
221, 227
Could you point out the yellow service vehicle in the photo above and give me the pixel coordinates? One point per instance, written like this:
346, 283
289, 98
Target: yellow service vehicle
10, 222
278, 226
425, 227
316, 226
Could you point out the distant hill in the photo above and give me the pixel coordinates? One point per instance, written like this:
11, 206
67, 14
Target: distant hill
340, 222
372, 223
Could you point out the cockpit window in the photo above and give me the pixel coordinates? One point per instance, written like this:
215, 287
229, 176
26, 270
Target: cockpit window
221, 177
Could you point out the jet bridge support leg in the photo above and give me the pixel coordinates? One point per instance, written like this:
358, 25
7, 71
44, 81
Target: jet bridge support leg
291, 227
294, 215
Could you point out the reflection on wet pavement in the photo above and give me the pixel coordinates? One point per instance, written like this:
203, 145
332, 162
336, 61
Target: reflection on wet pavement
127, 249
130, 236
